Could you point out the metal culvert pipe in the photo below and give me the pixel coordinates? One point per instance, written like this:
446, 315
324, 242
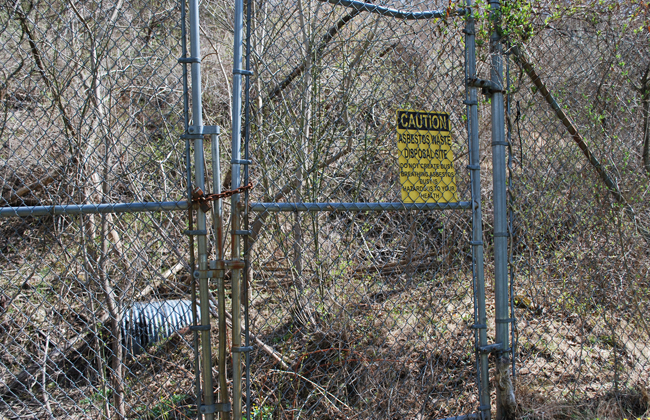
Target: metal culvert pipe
146, 323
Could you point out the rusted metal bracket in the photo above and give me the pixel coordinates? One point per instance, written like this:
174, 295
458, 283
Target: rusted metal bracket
218, 265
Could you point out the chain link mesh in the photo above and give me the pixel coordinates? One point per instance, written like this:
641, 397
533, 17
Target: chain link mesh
370, 312
92, 307
578, 196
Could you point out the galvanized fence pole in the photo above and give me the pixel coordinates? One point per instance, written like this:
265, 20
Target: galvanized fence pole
505, 395
217, 220
480, 318
196, 128
190, 212
236, 217
247, 277
511, 266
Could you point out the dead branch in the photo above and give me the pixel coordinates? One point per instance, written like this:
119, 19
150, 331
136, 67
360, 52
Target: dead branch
41, 184
46, 399
36, 54
300, 68
577, 138
164, 276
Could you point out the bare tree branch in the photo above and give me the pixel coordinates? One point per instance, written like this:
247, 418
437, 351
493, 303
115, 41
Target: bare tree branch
300, 68
577, 138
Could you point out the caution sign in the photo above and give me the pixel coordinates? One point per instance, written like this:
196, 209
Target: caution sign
426, 160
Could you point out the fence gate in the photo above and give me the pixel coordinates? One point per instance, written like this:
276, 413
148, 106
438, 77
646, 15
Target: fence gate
355, 252
365, 249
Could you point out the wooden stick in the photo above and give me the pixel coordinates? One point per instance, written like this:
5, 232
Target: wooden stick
15, 198
46, 399
164, 276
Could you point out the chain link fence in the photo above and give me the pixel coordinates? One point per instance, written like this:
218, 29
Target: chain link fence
578, 131
354, 312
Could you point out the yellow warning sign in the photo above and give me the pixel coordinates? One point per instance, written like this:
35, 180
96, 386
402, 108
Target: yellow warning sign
426, 160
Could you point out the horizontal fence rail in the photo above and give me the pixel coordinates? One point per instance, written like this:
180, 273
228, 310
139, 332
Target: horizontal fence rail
312, 207
394, 13
76, 209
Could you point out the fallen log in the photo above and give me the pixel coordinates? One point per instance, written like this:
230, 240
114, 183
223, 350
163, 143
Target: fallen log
16, 198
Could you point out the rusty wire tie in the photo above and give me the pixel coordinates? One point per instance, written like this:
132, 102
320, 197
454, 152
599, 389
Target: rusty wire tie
203, 200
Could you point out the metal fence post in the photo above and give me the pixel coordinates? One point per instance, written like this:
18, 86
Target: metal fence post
217, 219
505, 394
480, 318
236, 216
190, 211
247, 276
199, 179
